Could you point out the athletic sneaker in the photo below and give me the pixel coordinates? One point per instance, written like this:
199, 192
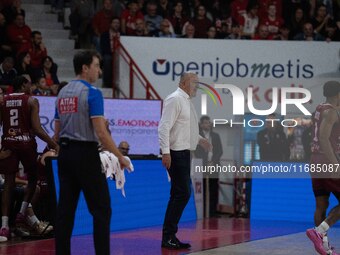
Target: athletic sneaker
21, 232
4, 234
317, 240
42, 228
49, 226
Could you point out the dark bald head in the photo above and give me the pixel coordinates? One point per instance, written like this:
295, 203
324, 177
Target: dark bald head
331, 89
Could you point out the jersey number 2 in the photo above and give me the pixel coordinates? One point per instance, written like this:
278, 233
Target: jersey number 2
14, 114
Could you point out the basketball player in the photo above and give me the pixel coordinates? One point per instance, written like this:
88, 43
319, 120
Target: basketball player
19, 117
326, 151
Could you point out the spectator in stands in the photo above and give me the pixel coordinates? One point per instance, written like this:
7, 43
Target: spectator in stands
124, 148
223, 31
178, 18
7, 71
141, 6
23, 64
19, 34
223, 25
57, 6
101, 22
129, 17
264, 5
152, 19
201, 22
308, 34
141, 29
273, 142
322, 20
212, 33
164, 8
166, 29
307, 6
263, 33
44, 88
188, 31
238, 9
80, 21
296, 22
39, 88
37, 50
218, 8
249, 22
118, 7
283, 34
332, 33
210, 158
12, 10
193, 6
272, 20
5, 47
108, 42
49, 72
236, 33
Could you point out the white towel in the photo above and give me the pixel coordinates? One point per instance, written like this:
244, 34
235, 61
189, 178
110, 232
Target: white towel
111, 168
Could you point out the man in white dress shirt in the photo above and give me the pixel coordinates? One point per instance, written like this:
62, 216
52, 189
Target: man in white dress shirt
178, 135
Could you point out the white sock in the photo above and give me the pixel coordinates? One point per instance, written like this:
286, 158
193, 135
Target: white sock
31, 220
23, 208
325, 242
322, 228
4, 221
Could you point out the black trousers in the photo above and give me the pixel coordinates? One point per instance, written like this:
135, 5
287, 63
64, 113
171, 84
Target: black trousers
213, 195
79, 169
180, 191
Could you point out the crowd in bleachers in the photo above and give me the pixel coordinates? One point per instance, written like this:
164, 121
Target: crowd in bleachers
222, 19
22, 52
95, 23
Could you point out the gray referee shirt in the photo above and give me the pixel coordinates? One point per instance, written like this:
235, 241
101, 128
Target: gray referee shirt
76, 104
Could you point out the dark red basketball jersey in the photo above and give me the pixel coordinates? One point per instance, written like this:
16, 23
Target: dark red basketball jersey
335, 133
16, 121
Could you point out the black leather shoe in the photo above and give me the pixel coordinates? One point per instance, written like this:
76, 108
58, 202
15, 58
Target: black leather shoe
171, 244
183, 245
174, 244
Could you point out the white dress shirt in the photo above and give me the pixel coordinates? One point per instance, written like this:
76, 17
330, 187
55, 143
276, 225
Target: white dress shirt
178, 127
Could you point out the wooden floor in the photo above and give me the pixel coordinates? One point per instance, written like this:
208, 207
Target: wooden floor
202, 234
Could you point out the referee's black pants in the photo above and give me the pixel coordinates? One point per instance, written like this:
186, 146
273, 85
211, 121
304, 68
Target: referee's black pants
79, 169
179, 172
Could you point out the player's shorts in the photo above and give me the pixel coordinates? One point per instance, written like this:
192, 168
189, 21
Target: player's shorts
324, 186
26, 155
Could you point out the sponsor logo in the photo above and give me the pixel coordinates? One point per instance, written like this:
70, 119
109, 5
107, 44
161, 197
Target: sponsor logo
234, 68
68, 105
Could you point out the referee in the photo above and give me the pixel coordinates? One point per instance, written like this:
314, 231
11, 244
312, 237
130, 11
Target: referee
79, 126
